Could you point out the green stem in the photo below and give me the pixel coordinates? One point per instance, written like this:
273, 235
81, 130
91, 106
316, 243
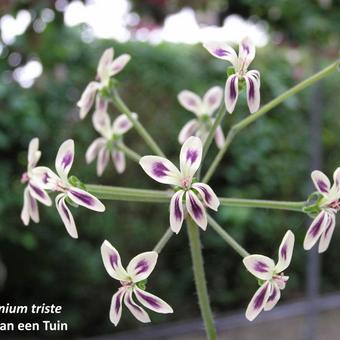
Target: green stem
200, 281
266, 108
226, 237
266, 204
163, 241
136, 124
128, 152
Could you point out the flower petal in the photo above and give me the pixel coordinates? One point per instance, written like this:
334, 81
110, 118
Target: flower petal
87, 98
190, 101
315, 230
118, 159
221, 50
212, 99
112, 262
39, 194
188, 130
152, 302
321, 182
45, 178
29, 209
336, 177
66, 215
64, 159
285, 252
260, 266
102, 123
273, 299
101, 105
94, 148
326, 236
33, 153
138, 312
207, 194
122, 124
116, 306
219, 137
196, 210
231, 93
258, 301
85, 199
102, 160
160, 169
142, 265
119, 63
246, 52
190, 156
176, 211
252, 79
104, 65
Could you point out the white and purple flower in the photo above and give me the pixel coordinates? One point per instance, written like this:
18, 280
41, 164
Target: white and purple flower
48, 180
106, 145
33, 191
132, 281
203, 109
322, 227
195, 195
271, 275
107, 68
240, 63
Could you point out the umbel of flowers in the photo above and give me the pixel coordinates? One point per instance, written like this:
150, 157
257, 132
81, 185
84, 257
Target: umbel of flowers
188, 195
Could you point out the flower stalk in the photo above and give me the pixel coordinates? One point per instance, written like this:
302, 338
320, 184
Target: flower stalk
200, 281
163, 241
128, 152
265, 109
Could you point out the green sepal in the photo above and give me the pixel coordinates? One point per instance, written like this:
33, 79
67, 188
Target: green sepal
230, 71
241, 84
260, 282
70, 202
142, 284
76, 182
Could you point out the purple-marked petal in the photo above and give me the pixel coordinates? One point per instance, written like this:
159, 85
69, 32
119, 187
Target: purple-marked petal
94, 148
85, 199
176, 211
321, 182
315, 230
102, 123
190, 101
39, 194
102, 160
246, 53
118, 159
142, 265
64, 159
212, 100
119, 63
252, 79
34, 154
122, 124
221, 50
104, 65
188, 130
231, 93
260, 266
285, 252
196, 210
161, 170
336, 177
66, 215
101, 105
326, 236
45, 178
258, 301
152, 302
116, 306
112, 262
138, 312
190, 156
219, 137
87, 99
29, 209
207, 194
274, 297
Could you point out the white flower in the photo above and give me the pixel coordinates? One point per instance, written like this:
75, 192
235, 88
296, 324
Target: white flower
138, 270
264, 268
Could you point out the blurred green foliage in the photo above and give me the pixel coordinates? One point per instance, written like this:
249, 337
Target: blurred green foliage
270, 159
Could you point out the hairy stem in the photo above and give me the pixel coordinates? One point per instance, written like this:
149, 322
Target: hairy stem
129, 153
163, 241
200, 281
265, 109
118, 102
226, 237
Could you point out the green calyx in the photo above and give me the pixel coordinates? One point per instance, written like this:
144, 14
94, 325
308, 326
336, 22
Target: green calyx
142, 284
313, 206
